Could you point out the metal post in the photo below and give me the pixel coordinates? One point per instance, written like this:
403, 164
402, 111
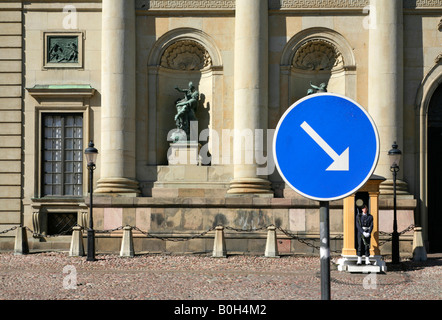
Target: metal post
90, 231
395, 236
324, 226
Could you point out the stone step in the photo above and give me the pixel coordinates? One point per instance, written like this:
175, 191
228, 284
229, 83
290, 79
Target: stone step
348, 264
363, 268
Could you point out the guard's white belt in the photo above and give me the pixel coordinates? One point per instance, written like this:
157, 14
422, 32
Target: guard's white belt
365, 228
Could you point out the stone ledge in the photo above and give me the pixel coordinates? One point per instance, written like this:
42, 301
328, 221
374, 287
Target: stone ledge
101, 201
401, 204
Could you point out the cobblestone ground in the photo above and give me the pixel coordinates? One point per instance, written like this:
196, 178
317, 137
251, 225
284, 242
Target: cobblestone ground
56, 276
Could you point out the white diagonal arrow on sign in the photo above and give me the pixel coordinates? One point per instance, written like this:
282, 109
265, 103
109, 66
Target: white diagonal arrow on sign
340, 162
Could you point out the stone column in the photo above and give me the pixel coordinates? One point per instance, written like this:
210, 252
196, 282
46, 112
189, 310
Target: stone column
251, 94
118, 99
385, 83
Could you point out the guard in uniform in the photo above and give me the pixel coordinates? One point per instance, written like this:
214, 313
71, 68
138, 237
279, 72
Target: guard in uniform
364, 226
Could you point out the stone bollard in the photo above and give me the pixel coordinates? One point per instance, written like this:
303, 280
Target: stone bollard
419, 252
271, 244
77, 248
127, 244
219, 244
21, 242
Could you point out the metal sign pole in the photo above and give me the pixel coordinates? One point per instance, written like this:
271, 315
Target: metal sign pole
322, 152
324, 225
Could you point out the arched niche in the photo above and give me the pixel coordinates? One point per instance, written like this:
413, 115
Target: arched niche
317, 55
431, 82
178, 57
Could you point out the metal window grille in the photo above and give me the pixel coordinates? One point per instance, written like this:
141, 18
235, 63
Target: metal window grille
61, 223
62, 155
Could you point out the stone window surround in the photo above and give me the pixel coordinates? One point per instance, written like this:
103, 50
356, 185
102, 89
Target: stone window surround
41, 208
58, 99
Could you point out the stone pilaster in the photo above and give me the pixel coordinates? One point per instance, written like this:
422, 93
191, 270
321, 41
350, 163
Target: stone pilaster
251, 94
385, 84
11, 111
118, 173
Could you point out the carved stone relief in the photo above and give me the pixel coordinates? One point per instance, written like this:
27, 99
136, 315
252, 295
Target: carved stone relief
317, 55
186, 55
62, 49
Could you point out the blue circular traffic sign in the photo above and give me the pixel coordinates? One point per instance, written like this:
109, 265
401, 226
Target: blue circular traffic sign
326, 146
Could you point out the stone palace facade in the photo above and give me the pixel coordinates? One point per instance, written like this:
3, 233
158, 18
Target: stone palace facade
106, 70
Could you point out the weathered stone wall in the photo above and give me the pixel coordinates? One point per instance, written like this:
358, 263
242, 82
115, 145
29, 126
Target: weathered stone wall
190, 199
11, 125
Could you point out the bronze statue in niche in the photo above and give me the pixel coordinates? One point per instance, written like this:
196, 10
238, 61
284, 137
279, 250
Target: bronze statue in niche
185, 112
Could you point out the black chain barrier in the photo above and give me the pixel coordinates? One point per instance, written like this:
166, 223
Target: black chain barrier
409, 228
308, 242
8, 230
175, 239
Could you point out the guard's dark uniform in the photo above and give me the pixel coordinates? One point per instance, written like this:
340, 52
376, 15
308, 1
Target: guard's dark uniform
364, 223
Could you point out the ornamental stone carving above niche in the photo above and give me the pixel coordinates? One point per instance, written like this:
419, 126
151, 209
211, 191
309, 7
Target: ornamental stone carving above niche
318, 55
186, 55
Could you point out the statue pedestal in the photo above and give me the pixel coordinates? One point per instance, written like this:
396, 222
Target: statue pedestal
184, 153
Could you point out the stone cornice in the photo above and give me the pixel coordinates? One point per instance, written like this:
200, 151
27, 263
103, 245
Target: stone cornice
174, 5
44, 92
422, 4
223, 5
318, 4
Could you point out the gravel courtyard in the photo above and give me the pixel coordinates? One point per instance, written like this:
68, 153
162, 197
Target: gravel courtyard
56, 276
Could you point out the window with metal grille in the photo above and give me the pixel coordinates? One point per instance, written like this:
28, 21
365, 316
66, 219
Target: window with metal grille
61, 223
62, 155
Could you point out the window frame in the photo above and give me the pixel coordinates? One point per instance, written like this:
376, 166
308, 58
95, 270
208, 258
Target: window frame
39, 158
63, 150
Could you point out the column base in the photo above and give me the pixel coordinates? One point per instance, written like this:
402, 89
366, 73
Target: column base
118, 186
386, 188
243, 186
